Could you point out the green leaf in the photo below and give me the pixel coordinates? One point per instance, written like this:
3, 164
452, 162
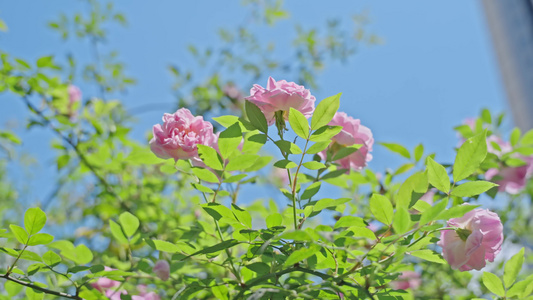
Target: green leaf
229, 140
80, 255
345, 151
318, 147
513, 267
285, 164
402, 220
116, 231
34, 220
12, 288
165, 246
301, 254
51, 258
432, 213
299, 123
349, 221
329, 203
381, 208
205, 175
19, 233
218, 247
515, 136
226, 120
242, 215
457, 211
274, 220
288, 147
217, 211
493, 283
220, 292
129, 222
397, 148
32, 294
325, 111
234, 178
242, 162
311, 190
418, 183
3, 26
40, 239
143, 156
470, 156
521, 289
314, 165
256, 116
10, 136
45, 61
418, 152
472, 188
437, 176
210, 157
202, 188
428, 255
325, 133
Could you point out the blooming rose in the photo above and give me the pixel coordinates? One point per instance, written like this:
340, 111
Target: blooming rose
513, 179
478, 237
281, 96
105, 283
162, 269
353, 133
407, 280
180, 134
74, 94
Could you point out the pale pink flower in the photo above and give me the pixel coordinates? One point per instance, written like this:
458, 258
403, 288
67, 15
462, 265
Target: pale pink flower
281, 176
231, 91
281, 96
353, 133
407, 280
512, 179
162, 269
105, 283
115, 295
479, 237
74, 94
180, 134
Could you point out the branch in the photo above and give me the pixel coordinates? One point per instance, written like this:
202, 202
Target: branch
38, 288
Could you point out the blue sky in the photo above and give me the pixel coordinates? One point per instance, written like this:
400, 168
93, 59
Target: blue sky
435, 68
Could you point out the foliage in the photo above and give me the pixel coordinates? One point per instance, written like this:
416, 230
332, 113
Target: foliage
335, 234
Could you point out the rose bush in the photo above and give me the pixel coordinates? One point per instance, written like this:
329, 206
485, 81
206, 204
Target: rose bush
193, 212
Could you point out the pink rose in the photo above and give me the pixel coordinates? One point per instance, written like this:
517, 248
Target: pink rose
513, 179
281, 176
162, 269
74, 94
353, 133
407, 280
478, 237
115, 295
180, 134
105, 283
281, 96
